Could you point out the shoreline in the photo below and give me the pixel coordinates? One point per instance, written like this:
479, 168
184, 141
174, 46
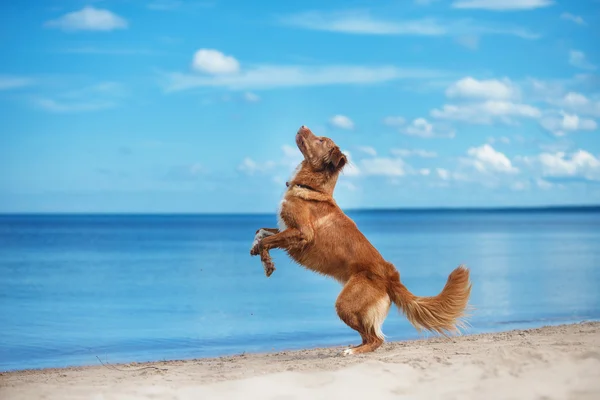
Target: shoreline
563, 357
103, 364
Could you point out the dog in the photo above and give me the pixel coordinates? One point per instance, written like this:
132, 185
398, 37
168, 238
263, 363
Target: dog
316, 233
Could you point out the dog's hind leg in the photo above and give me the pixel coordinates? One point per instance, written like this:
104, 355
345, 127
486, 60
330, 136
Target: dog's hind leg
363, 305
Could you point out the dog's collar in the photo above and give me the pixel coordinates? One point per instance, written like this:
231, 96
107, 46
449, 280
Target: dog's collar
287, 184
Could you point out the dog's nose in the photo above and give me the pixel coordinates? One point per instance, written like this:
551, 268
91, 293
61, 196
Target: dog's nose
303, 128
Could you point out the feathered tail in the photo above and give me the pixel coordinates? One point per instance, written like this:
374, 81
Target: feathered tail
443, 313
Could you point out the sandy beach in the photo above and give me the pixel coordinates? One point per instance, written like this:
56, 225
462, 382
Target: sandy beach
557, 362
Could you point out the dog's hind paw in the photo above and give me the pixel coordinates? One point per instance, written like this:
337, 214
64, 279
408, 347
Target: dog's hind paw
348, 352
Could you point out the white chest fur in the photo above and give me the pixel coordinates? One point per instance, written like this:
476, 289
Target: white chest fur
280, 222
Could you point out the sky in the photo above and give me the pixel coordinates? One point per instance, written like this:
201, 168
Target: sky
192, 106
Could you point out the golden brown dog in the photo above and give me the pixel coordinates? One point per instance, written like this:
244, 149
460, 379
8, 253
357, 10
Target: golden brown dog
317, 234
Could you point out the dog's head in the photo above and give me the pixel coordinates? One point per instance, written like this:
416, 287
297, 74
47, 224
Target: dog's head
320, 152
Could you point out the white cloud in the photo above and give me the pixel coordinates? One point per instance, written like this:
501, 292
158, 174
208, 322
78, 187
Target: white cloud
557, 145
348, 185
288, 161
543, 184
251, 167
486, 166
61, 106
577, 103
573, 18
550, 90
368, 150
560, 125
342, 122
290, 151
109, 89
388, 166
360, 22
519, 185
447, 175
383, 166
502, 5
579, 60
575, 99
214, 62
422, 128
470, 42
486, 112
494, 89
487, 160
394, 121
277, 76
291, 156
88, 19
444, 174
251, 97
580, 164
413, 152
13, 82
351, 169
544, 90
490, 29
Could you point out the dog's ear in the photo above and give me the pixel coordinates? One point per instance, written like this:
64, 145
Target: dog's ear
337, 160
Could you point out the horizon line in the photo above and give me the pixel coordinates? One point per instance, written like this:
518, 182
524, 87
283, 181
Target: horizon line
590, 207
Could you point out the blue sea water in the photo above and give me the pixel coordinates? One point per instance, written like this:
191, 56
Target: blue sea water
152, 287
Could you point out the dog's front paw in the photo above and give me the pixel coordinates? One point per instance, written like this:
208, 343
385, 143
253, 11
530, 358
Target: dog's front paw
255, 250
269, 267
269, 271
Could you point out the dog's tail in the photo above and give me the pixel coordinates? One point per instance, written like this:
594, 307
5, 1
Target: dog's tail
443, 313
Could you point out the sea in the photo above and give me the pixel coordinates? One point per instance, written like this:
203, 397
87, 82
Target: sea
81, 289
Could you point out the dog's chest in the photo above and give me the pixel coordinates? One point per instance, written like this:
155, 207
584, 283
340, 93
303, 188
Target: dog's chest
280, 221
281, 225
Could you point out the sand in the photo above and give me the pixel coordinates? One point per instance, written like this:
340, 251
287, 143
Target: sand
558, 362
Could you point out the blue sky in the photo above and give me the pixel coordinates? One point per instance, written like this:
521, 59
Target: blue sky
192, 106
